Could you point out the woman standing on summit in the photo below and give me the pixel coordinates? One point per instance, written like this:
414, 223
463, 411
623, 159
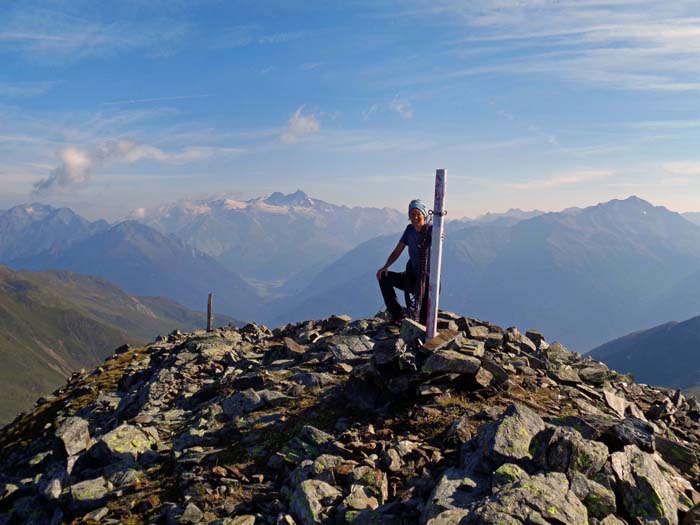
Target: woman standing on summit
414, 281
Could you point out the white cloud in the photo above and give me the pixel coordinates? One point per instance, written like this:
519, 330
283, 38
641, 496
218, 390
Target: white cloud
76, 164
565, 179
300, 125
401, 107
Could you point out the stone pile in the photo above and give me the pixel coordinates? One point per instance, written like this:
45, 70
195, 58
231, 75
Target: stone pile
353, 422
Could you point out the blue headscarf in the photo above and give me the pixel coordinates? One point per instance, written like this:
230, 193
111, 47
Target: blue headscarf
418, 205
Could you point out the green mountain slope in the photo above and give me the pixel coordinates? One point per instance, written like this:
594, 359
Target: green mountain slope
52, 323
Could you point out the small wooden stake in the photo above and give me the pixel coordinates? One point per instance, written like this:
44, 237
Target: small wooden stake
210, 313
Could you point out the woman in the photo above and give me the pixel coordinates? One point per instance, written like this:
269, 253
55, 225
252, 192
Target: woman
414, 281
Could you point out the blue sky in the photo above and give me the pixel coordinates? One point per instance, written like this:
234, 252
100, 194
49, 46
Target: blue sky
110, 106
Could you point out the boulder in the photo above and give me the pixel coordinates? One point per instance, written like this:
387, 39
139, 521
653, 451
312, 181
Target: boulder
126, 442
646, 496
74, 434
539, 499
450, 361
507, 440
311, 500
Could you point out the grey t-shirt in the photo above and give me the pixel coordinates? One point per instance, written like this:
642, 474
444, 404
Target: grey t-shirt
412, 238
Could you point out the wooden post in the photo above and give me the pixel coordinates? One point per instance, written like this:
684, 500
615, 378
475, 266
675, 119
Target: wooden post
436, 254
210, 313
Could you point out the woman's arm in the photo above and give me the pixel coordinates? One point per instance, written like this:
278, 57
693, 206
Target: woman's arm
391, 260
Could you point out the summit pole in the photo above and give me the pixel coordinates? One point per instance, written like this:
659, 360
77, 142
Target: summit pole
436, 253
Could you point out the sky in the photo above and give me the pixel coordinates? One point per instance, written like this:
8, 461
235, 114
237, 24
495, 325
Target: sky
535, 104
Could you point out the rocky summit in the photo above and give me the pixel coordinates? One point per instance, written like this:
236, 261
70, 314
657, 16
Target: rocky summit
353, 422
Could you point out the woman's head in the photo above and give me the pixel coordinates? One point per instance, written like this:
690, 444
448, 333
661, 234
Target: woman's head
417, 213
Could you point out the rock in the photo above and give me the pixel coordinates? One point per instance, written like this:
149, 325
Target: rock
450, 361
507, 440
680, 456
493, 340
505, 475
631, 431
360, 498
448, 517
411, 332
459, 432
692, 517
337, 322
557, 353
454, 490
616, 402
564, 374
536, 337
272, 398
444, 339
388, 351
598, 499
292, 348
374, 479
192, 514
97, 514
471, 347
594, 373
646, 495
89, 494
311, 499
539, 499
125, 442
74, 433
564, 450
348, 348
241, 403
246, 519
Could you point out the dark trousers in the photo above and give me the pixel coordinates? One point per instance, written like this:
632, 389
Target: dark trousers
400, 280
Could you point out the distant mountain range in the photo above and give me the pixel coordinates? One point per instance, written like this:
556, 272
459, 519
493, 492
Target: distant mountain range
666, 355
53, 323
583, 275
276, 238
34, 228
144, 261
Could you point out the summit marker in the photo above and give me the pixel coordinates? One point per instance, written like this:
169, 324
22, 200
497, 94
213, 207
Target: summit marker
438, 213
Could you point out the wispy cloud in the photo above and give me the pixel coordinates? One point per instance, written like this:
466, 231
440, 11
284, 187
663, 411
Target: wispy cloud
642, 45
494, 145
399, 106
663, 124
299, 125
76, 164
26, 89
155, 99
310, 66
73, 34
565, 179
689, 168
251, 34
